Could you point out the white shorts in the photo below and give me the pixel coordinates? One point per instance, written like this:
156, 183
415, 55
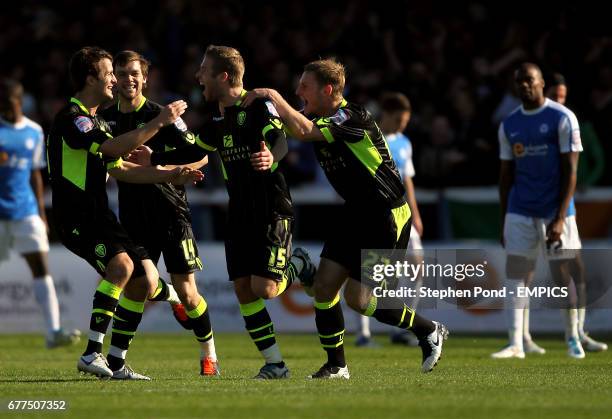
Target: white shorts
415, 240
28, 235
526, 236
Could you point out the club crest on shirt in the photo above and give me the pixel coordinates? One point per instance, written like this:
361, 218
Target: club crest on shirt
543, 128
241, 118
84, 124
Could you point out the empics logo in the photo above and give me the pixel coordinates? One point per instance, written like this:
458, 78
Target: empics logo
518, 149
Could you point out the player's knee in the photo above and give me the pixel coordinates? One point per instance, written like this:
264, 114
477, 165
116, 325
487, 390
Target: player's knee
353, 299
242, 288
321, 291
187, 294
120, 268
265, 289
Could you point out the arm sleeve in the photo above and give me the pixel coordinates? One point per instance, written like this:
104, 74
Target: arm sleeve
83, 133
178, 135
505, 149
569, 134
183, 155
273, 132
342, 126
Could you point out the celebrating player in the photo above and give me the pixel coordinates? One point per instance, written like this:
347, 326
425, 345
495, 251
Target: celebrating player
396, 112
157, 216
81, 150
354, 155
250, 142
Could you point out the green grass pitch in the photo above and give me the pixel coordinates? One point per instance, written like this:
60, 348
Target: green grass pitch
385, 382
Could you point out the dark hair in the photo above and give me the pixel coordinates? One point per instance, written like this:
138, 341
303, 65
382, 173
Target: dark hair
395, 101
123, 58
10, 87
328, 71
556, 79
228, 60
84, 63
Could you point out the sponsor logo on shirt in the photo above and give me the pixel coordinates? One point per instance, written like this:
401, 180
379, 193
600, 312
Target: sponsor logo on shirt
84, 124
519, 150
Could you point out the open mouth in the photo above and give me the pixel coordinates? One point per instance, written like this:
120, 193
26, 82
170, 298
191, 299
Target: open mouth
129, 88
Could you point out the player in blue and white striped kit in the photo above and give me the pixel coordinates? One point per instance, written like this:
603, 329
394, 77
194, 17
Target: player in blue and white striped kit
22, 216
539, 146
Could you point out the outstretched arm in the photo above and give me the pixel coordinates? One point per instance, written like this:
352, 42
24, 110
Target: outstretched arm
133, 173
300, 127
125, 143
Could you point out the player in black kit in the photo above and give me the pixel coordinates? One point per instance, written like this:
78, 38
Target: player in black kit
157, 216
250, 143
356, 160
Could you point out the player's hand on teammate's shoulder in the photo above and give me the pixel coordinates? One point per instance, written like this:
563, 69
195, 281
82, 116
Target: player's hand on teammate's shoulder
171, 112
263, 159
256, 93
185, 175
141, 156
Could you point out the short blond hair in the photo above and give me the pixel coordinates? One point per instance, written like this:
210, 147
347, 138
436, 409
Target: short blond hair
228, 60
328, 71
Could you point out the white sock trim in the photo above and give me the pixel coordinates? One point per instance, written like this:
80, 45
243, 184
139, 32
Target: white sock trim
117, 352
96, 336
207, 349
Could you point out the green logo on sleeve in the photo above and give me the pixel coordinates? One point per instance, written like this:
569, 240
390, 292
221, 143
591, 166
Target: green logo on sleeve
100, 250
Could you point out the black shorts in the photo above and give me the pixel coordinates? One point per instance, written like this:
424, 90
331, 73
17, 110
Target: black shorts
171, 237
98, 240
262, 250
356, 229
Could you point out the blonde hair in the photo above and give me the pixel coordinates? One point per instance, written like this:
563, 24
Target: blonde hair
328, 71
228, 60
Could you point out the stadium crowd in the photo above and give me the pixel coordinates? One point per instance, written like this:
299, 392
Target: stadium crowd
454, 62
